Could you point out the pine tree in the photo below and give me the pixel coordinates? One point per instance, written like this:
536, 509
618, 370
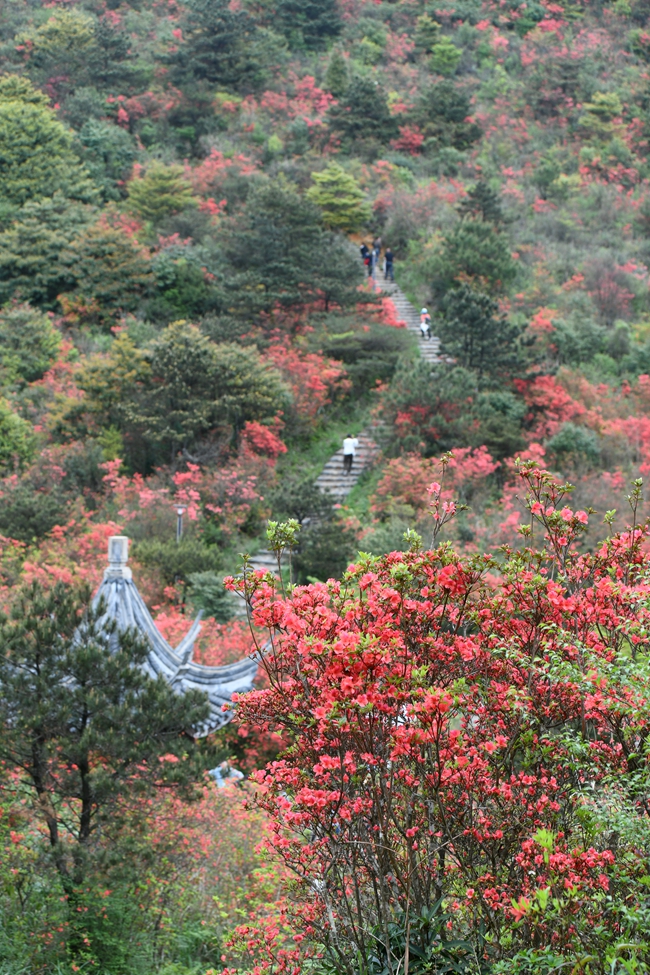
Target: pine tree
195, 386
109, 270
308, 24
336, 76
482, 202
31, 249
445, 57
162, 191
341, 199
218, 45
173, 395
427, 33
37, 158
473, 251
274, 248
85, 727
362, 114
340, 273
441, 112
478, 337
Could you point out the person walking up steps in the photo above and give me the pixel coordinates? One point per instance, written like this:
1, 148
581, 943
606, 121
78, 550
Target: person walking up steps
388, 265
350, 444
425, 324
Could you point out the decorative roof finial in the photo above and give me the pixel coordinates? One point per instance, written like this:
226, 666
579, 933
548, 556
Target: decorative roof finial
118, 556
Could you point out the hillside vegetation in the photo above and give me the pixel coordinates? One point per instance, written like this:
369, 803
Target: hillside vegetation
185, 321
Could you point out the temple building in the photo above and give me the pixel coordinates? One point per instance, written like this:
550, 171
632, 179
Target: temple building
124, 604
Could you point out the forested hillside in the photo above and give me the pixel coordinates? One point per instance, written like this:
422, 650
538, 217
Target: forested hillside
180, 189
185, 321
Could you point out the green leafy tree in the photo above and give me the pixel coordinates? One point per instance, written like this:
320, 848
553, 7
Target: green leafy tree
324, 551
370, 353
298, 497
84, 725
337, 78
475, 251
441, 112
427, 33
65, 40
173, 395
497, 419
183, 290
31, 249
109, 269
340, 272
29, 342
308, 24
340, 198
478, 337
274, 248
29, 512
161, 192
439, 404
445, 57
207, 593
546, 173
575, 446
37, 157
113, 384
482, 202
176, 561
108, 152
17, 439
223, 46
196, 385
362, 114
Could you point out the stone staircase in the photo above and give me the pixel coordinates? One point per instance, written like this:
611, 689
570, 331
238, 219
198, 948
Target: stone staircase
335, 482
429, 348
332, 478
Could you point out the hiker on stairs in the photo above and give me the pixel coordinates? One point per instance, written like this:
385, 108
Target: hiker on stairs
388, 265
425, 324
350, 444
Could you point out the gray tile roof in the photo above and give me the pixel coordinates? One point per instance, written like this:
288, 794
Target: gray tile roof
124, 604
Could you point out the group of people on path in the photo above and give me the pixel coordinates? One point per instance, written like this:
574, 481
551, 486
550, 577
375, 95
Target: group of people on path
371, 255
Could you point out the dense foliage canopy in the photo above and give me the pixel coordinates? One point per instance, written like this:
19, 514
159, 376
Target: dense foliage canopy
186, 324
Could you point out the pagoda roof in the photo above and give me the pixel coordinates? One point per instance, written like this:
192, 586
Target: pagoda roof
124, 606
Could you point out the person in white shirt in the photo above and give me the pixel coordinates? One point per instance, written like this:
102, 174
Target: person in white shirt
350, 444
425, 324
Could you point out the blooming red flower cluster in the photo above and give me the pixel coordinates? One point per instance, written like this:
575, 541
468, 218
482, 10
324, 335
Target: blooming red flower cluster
449, 720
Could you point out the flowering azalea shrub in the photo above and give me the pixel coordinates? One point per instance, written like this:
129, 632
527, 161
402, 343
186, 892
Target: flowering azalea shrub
455, 724
313, 378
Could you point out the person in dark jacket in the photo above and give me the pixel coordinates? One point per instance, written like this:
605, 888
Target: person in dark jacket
388, 265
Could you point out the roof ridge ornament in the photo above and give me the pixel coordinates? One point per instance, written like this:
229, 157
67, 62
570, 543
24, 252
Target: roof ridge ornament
118, 556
